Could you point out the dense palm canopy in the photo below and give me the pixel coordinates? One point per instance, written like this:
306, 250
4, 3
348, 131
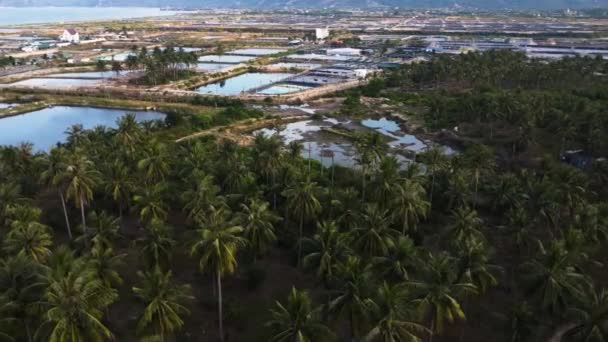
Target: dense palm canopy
497, 238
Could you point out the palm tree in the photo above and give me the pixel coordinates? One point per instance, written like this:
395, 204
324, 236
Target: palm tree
353, 293
157, 243
440, 290
395, 316
128, 133
217, 243
52, 177
257, 221
118, 184
104, 230
474, 267
150, 202
204, 194
164, 302
409, 205
553, 278
302, 202
373, 236
104, 264
466, 226
31, 239
481, 160
22, 283
155, 163
75, 306
435, 162
296, 321
385, 181
81, 178
328, 246
7, 318
591, 316
400, 260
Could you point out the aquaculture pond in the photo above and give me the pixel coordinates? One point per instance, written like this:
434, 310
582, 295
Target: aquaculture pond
225, 59
256, 52
282, 88
329, 148
294, 65
6, 105
242, 83
46, 127
58, 82
319, 57
216, 67
119, 57
89, 74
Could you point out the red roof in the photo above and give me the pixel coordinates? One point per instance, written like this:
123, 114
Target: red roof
71, 31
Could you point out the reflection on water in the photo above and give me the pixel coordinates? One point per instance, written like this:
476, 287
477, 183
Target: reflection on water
323, 146
89, 74
241, 83
213, 66
256, 52
45, 127
58, 82
282, 88
225, 59
391, 129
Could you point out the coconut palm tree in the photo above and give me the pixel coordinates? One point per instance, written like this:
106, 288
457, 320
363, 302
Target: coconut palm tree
22, 283
385, 182
466, 226
400, 260
155, 162
217, 243
373, 236
150, 203
82, 178
74, 308
52, 177
128, 133
257, 220
157, 243
104, 264
435, 162
200, 197
352, 294
103, 229
590, 315
440, 291
297, 320
118, 184
553, 278
395, 316
409, 205
31, 239
480, 158
328, 246
303, 203
164, 302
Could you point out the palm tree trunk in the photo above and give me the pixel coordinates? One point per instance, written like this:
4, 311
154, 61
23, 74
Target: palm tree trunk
65, 214
84, 223
27, 330
219, 304
432, 329
300, 239
404, 223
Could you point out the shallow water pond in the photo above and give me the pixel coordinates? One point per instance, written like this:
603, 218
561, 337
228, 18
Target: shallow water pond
46, 127
89, 74
242, 83
256, 52
225, 59
58, 82
282, 88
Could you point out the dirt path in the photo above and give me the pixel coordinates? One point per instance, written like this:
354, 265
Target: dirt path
238, 132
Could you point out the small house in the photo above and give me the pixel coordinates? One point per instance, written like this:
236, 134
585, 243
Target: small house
70, 35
